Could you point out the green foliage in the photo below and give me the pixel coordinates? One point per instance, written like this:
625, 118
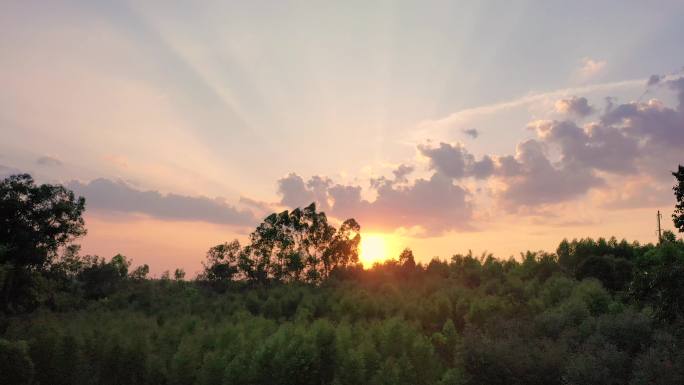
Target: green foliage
659, 280
293, 307
423, 330
16, 367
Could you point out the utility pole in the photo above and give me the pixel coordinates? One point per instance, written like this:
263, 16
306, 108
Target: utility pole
660, 234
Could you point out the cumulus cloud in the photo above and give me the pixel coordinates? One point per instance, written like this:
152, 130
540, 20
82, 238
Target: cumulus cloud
454, 161
471, 132
566, 161
596, 147
591, 67
574, 106
630, 139
434, 205
531, 179
658, 129
295, 192
104, 194
401, 173
48, 161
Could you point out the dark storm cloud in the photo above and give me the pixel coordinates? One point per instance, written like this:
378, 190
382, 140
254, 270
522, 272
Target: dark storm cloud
104, 194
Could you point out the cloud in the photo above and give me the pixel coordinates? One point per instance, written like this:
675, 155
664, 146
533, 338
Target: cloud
658, 129
591, 67
563, 163
471, 132
259, 206
456, 162
636, 193
7, 171
429, 128
104, 194
677, 85
635, 139
401, 173
653, 80
434, 205
295, 192
597, 147
574, 106
119, 161
48, 161
530, 179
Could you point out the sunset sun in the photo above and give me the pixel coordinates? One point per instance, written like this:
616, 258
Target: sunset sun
376, 248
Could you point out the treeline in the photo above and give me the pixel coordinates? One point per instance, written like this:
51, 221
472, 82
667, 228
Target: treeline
293, 306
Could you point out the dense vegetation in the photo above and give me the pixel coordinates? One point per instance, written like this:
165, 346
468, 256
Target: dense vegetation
294, 307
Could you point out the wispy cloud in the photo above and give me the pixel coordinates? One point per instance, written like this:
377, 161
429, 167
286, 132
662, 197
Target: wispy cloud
437, 127
48, 160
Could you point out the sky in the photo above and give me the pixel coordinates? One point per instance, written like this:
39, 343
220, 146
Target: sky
489, 126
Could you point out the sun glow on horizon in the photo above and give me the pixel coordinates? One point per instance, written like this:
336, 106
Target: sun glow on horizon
377, 248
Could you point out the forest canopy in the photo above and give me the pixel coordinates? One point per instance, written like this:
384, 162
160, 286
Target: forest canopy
294, 306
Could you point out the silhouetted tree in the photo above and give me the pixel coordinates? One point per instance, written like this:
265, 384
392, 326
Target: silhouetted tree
140, 272
678, 214
406, 259
222, 262
35, 222
297, 245
407, 262
179, 274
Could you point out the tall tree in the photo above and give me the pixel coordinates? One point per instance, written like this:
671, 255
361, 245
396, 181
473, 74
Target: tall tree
678, 215
35, 222
301, 245
297, 245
